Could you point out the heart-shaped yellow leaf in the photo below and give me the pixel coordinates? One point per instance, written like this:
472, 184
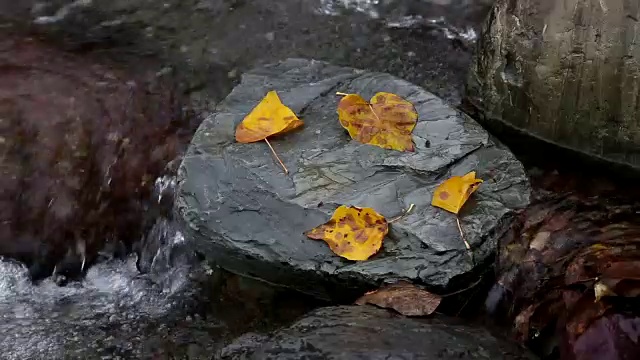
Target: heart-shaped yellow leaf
387, 121
353, 233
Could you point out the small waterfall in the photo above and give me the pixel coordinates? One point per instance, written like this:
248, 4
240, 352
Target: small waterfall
120, 297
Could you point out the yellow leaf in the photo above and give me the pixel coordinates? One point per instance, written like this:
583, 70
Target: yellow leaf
269, 117
353, 233
454, 192
387, 121
601, 289
599, 247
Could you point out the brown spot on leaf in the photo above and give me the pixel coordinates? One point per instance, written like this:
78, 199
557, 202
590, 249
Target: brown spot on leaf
383, 122
351, 221
361, 236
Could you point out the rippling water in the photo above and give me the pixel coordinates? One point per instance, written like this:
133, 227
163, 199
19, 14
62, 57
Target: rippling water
455, 19
147, 305
116, 310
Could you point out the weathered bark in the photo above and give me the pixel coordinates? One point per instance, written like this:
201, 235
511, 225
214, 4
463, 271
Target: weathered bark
564, 71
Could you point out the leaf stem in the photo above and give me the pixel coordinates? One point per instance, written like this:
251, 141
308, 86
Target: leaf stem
466, 243
373, 111
277, 157
341, 94
402, 215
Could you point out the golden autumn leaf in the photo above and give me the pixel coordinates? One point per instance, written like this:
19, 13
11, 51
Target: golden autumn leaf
387, 121
601, 289
269, 117
353, 233
455, 191
403, 297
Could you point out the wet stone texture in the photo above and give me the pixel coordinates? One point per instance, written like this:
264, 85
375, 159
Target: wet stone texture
352, 332
569, 271
243, 213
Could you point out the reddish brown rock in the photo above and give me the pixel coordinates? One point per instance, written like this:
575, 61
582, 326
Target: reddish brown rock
570, 269
81, 146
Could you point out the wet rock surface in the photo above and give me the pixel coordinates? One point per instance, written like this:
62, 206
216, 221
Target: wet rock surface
243, 213
363, 332
569, 269
566, 73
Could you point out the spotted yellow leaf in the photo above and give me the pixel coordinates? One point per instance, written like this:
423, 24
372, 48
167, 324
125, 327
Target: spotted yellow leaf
352, 232
455, 191
386, 121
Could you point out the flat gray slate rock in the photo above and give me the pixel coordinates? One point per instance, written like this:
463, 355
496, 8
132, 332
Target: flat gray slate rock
245, 214
365, 332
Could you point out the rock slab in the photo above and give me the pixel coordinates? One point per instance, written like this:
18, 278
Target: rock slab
567, 72
363, 332
246, 215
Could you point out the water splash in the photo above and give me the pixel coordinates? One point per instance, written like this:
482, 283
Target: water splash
440, 23
333, 7
396, 15
60, 13
114, 302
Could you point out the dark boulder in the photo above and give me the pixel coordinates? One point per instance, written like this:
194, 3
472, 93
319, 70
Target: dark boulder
564, 72
243, 213
363, 332
82, 143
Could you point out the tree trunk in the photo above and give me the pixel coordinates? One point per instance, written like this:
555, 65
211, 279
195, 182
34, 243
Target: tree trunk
567, 72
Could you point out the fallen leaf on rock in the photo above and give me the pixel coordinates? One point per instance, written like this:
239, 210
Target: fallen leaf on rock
403, 297
601, 289
386, 121
270, 117
452, 194
621, 278
455, 191
353, 233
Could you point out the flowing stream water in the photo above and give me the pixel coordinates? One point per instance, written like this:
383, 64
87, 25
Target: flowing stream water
163, 301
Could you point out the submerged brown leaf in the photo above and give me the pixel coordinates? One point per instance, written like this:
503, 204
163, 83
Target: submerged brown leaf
403, 297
